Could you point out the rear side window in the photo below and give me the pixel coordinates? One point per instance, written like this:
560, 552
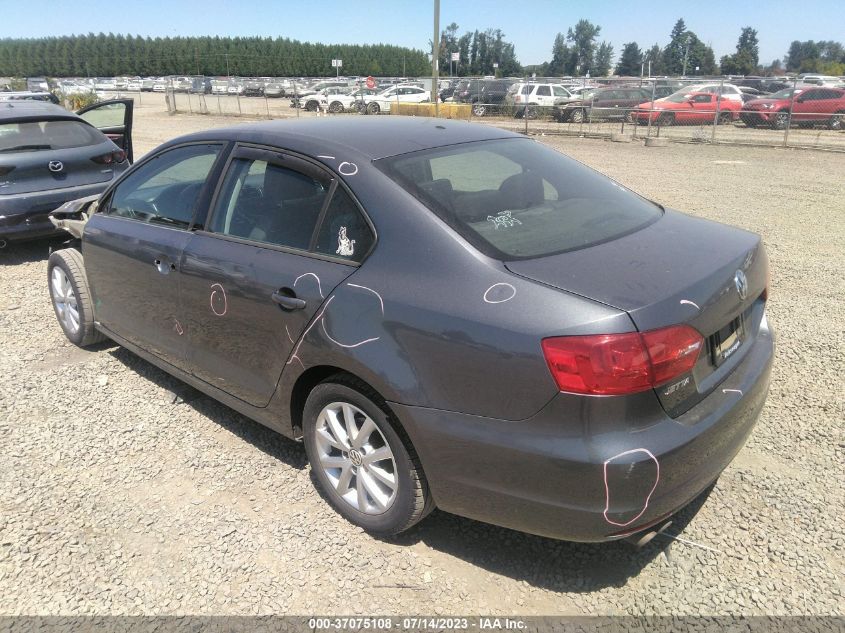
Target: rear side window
344, 232
517, 199
264, 202
31, 136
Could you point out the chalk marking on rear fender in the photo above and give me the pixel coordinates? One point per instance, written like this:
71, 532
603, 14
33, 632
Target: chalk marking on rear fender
607, 487
688, 302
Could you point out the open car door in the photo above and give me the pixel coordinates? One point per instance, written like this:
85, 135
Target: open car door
114, 119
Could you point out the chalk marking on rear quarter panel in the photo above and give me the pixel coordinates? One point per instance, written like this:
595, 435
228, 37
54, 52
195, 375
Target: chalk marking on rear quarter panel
487, 292
607, 487
688, 302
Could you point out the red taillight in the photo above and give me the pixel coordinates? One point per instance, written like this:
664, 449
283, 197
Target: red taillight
117, 156
615, 364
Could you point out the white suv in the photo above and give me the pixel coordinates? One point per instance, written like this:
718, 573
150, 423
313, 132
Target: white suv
530, 98
728, 91
402, 94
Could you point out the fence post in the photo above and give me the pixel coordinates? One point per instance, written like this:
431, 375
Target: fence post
718, 110
789, 117
651, 107
296, 98
525, 114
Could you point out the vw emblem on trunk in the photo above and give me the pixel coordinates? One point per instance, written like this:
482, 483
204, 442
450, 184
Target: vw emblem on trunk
741, 284
55, 166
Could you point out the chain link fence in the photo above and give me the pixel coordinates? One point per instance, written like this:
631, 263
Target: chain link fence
768, 112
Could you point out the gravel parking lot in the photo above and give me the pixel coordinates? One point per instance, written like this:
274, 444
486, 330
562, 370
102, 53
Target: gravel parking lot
124, 491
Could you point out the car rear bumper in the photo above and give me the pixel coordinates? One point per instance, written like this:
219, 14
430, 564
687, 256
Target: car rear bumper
589, 468
26, 216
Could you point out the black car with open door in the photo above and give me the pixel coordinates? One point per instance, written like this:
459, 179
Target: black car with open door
49, 156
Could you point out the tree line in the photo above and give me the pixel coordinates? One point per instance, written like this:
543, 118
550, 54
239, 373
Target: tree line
477, 53
110, 55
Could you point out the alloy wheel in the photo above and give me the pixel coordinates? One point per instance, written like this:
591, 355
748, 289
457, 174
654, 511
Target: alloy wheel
356, 458
64, 298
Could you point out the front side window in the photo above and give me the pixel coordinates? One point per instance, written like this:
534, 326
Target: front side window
544, 91
517, 199
561, 92
267, 203
165, 189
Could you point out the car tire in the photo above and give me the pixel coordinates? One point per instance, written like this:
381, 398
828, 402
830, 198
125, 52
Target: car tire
373, 108
335, 107
312, 106
837, 121
479, 109
666, 119
779, 120
725, 118
629, 117
339, 462
531, 112
578, 115
71, 297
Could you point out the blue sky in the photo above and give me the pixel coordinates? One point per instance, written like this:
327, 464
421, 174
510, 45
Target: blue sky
531, 26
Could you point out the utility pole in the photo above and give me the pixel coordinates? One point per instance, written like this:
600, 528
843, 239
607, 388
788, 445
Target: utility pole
435, 56
227, 66
686, 54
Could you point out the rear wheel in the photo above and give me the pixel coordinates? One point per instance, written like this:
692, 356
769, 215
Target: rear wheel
478, 109
725, 118
629, 116
71, 297
532, 112
373, 108
780, 120
369, 473
312, 106
336, 106
666, 119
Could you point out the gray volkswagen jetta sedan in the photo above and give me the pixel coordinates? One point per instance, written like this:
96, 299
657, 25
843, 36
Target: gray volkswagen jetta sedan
448, 315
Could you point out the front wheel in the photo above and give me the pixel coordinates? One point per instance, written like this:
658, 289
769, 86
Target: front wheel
336, 107
71, 297
780, 120
725, 118
368, 473
837, 121
478, 109
578, 115
373, 108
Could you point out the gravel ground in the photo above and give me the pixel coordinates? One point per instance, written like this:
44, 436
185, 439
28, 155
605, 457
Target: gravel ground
123, 491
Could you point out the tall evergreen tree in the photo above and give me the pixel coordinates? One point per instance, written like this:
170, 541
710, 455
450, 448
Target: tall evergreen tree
630, 61
747, 56
583, 38
604, 60
560, 54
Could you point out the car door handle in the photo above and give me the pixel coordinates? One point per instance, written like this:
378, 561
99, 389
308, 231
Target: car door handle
288, 302
164, 265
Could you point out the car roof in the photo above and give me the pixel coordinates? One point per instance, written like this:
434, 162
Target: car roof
372, 137
18, 109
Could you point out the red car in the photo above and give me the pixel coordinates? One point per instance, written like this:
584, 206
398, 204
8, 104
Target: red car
685, 109
810, 106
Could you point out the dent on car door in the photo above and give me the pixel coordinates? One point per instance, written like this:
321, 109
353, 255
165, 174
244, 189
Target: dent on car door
114, 119
134, 243
281, 236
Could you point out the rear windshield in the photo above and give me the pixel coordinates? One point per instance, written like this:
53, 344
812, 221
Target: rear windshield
31, 136
518, 199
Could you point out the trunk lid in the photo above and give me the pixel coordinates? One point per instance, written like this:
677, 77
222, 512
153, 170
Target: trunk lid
678, 269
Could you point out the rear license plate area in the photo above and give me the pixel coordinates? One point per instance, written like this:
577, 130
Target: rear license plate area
726, 342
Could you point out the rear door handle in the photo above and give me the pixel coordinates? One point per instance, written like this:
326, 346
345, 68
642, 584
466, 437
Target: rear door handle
287, 302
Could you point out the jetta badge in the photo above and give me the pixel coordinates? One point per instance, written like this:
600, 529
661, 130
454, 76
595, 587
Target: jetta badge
55, 166
741, 284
